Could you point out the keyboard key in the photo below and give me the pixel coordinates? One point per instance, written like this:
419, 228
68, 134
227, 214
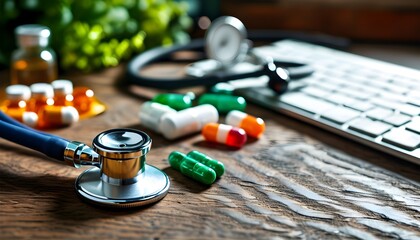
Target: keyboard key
414, 94
369, 127
379, 113
414, 126
340, 114
326, 86
397, 119
402, 138
401, 81
409, 109
402, 107
316, 92
355, 93
414, 101
339, 98
385, 103
393, 96
306, 102
360, 105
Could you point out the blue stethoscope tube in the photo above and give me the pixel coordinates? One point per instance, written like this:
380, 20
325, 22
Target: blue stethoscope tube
72, 152
50, 145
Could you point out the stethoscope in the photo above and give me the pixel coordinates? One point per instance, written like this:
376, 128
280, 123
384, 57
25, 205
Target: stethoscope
120, 176
227, 48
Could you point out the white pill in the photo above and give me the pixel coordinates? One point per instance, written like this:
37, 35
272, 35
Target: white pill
18, 92
188, 121
62, 86
69, 115
30, 119
150, 114
42, 89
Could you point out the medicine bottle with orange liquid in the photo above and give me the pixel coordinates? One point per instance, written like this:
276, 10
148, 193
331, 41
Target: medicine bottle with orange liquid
33, 61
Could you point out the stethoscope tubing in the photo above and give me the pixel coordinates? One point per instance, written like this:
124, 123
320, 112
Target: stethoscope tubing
296, 70
51, 145
161, 54
5, 118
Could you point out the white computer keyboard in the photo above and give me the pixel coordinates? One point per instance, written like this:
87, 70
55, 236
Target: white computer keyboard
370, 101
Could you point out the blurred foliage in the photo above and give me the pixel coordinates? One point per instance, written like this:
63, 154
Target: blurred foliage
93, 34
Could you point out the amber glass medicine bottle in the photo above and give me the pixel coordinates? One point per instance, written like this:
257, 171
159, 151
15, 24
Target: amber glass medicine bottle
33, 61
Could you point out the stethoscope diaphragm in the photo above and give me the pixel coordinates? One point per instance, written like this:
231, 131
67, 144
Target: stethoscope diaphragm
123, 178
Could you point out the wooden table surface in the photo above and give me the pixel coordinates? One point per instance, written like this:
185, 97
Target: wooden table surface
297, 181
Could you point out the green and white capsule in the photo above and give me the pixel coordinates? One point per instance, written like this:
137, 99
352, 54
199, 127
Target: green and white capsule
216, 165
192, 168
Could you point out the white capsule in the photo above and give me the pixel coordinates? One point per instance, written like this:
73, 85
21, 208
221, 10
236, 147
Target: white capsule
188, 121
62, 86
18, 92
30, 119
151, 113
69, 115
42, 89
52, 116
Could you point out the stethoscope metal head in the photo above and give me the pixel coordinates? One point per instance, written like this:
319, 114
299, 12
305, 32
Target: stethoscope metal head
123, 178
226, 40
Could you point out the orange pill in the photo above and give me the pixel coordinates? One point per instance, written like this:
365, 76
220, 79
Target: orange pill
56, 116
253, 126
28, 118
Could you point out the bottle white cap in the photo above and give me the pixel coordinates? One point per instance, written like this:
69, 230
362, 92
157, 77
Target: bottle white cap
18, 92
151, 113
43, 89
62, 86
32, 35
30, 119
188, 121
235, 118
69, 115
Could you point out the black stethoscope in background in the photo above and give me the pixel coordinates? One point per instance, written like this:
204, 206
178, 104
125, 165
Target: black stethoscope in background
230, 57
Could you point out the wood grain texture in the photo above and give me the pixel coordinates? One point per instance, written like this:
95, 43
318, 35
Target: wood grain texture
295, 182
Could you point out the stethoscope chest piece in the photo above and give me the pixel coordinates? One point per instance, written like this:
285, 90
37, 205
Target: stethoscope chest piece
123, 179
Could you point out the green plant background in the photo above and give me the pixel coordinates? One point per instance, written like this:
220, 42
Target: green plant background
94, 34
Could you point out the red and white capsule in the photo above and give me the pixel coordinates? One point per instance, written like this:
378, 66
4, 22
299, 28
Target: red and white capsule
225, 134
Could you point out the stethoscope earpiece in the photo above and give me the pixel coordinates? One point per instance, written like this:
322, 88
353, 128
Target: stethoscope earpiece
278, 77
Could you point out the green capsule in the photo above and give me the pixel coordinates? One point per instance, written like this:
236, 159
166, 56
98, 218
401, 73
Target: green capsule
223, 103
217, 166
174, 100
192, 168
